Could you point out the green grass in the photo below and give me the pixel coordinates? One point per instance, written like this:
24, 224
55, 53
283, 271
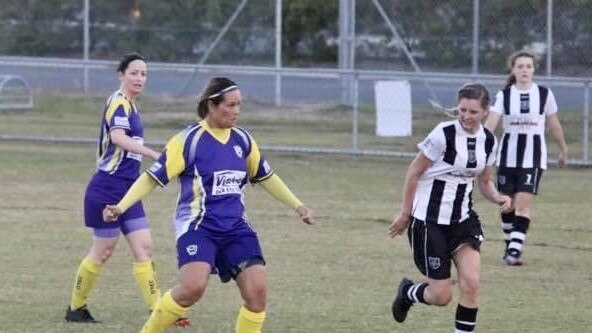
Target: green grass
336, 276
310, 125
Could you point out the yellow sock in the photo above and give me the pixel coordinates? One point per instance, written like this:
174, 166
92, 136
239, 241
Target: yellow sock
249, 322
87, 274
164, 315
145, 276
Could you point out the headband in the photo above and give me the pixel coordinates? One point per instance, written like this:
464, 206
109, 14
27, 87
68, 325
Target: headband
225, 90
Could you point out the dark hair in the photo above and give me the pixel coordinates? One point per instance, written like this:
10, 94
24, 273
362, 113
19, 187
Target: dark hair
512, 61
214, 91
127, 59
475, 91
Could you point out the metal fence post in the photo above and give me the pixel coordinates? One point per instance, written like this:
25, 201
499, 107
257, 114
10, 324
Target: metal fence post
585, 155
354, 94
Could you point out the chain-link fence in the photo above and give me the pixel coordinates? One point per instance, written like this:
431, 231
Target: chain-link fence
441, 35
328, 53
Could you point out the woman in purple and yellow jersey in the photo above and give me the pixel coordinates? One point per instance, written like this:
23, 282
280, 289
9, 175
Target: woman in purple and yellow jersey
214, 161
119, 155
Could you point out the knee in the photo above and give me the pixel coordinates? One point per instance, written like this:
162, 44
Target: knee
441, 296
143, 250
190, 293
102, 254
469, 288
255, 297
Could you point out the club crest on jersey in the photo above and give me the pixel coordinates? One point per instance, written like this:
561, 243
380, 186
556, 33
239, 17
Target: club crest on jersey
472, 156
434, 262
238, 150
191, 249
228, 182
501, 180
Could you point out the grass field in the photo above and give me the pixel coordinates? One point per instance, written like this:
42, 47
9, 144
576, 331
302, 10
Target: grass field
336, 276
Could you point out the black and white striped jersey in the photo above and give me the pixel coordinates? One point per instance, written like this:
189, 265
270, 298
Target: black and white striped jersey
524, 112
444, 191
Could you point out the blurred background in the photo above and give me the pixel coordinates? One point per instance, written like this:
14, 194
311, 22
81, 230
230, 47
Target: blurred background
296, 55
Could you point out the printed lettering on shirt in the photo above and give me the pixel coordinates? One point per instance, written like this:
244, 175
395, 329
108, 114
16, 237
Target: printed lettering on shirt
523, 122
155, 167
121, 122
227, 182
430, 147
136, 156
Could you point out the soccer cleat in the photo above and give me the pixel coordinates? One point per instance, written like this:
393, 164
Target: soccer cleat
513, 258
401, 305
80, 315
182, 322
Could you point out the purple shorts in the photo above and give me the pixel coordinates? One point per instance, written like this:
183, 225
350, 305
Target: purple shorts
102, 190
227, 254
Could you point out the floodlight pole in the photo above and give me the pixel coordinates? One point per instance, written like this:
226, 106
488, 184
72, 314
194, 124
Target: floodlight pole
549, 36
278, 52
475, 61
86, 44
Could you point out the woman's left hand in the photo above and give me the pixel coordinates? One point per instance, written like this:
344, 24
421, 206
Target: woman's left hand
306, 214
111, 213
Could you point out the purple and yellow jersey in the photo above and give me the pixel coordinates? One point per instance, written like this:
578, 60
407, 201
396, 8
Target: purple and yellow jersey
213, 166
119, 112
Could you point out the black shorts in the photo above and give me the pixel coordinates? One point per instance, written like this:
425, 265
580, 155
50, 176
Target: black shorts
514, 180
433, 244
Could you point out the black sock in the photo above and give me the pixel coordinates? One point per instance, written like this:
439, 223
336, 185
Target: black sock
508, 225
415, 293
466, 319
518, 235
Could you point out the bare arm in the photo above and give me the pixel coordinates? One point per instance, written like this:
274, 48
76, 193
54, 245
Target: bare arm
487, 188
492, 121
557, 132
419, 165
119, 138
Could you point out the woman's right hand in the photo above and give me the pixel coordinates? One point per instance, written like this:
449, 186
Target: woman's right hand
111, 213
562, 157
400, 223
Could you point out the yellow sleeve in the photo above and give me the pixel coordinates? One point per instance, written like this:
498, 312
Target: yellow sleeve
278, 189
117, 102
139, 189
253, 159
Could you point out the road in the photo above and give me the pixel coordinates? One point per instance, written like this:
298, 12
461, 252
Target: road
260, 87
